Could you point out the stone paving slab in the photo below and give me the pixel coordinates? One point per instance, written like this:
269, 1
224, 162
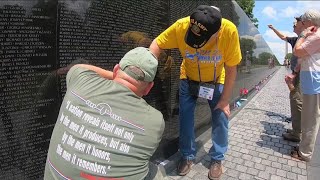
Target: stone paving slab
256, 148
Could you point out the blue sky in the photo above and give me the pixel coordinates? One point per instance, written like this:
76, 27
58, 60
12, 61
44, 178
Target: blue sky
281, 15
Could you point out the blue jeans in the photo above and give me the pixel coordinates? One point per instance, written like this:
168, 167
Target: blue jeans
219, 123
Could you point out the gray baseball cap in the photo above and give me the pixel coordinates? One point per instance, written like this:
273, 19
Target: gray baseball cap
142, 58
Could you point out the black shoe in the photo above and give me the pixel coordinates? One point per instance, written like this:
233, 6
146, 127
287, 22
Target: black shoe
289, 130
290, 137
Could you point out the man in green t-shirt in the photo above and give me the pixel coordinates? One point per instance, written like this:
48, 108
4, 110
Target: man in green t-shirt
105, 129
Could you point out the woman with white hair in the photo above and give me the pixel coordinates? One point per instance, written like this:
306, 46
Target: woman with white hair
307, 49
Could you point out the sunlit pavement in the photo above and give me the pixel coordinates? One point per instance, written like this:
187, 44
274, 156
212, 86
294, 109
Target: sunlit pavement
256, 147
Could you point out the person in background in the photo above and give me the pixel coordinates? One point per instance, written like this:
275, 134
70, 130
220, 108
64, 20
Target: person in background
286, 63
294, 85
307, 49
248, 62
210, 48
105, 129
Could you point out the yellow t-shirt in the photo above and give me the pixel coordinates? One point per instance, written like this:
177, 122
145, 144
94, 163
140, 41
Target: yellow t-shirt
227, 53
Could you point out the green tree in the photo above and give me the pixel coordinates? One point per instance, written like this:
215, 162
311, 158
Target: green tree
247, 45
288, 56
276, 61
254, 60
263, 58
247, 6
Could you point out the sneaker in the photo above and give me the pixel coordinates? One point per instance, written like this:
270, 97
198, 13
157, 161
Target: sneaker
215, 170
290, 137
184, 167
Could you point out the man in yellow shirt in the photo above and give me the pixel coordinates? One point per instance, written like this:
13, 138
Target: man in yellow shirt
209, 45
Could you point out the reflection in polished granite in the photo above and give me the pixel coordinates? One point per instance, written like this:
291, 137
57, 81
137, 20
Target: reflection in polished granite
169, 145
248, 77
41, 40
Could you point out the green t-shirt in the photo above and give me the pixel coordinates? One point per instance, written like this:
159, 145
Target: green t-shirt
103, 130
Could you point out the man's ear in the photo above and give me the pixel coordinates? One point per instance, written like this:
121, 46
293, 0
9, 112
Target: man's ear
148, 88
115, 70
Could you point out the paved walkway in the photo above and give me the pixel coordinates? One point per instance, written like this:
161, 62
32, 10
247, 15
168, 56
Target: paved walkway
256, 148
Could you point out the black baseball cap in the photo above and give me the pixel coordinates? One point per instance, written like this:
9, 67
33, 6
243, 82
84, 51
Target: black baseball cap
204, 22
298, 18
